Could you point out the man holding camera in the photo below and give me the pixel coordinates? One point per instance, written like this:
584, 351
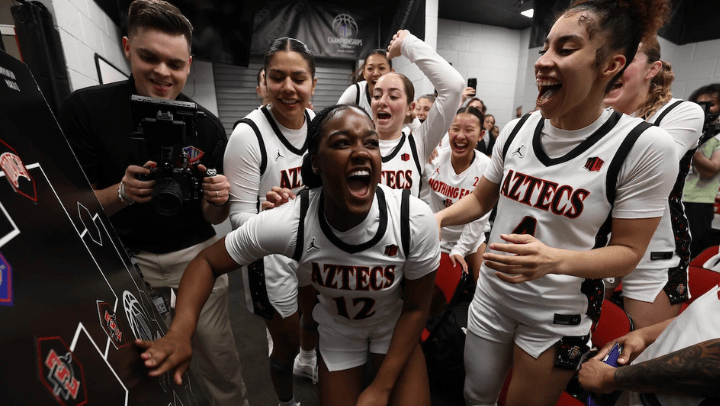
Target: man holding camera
99, 126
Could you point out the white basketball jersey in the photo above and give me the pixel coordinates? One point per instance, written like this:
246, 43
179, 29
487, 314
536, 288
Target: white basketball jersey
359, 285
699, 322
563, 202
447, 187
401, 167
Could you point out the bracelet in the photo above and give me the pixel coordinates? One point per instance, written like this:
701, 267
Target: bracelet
121, 195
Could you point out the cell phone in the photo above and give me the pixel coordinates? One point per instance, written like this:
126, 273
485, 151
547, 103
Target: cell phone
612, 357
472, 82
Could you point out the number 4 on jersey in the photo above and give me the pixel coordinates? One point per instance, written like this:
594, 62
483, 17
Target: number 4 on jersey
526, 226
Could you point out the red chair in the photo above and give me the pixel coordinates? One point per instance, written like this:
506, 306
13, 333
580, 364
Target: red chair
613, 323
700, 280
450, 281
708, 253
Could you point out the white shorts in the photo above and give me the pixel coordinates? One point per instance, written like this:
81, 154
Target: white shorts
519, 323
644, 284
273, 287
343, 347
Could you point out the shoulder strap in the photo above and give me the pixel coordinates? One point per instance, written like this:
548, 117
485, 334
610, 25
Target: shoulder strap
619, 158
357, 94
263, 159
405, 221
514, 132
304, 197
413, 148
664, 113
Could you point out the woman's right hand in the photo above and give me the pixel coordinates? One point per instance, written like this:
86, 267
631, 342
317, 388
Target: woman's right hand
166, 353
276, 197
468, 92
632, 345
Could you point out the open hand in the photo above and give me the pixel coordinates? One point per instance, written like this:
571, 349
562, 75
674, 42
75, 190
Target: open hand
276, 197
529, 259
166, 353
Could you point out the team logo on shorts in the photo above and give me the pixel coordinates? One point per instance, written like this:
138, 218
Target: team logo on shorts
520, 151
391, 250
574, 352
594, 164
405, 157
60, 372
6, 286
17, 174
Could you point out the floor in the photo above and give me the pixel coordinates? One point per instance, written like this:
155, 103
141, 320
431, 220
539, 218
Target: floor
249, 331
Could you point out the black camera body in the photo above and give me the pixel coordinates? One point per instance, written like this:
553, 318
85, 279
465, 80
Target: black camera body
711, 126
166, 131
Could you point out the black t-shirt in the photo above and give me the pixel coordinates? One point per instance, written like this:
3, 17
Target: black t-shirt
98, 124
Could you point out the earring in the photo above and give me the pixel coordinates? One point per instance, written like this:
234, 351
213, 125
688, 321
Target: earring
316, 170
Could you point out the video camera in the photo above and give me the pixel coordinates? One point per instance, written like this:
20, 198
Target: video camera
711, 126
167, 130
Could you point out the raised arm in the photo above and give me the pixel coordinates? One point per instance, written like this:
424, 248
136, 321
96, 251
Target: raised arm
445, 79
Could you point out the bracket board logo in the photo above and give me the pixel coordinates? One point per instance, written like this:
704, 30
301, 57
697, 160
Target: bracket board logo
60, 372
16, 172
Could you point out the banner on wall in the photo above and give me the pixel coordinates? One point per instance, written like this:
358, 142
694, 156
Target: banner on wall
329, 31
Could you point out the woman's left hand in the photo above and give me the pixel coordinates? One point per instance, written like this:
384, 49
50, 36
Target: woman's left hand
529, 259
396, 44
373, 396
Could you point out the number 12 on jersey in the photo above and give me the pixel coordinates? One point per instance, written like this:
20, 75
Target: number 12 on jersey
365, 311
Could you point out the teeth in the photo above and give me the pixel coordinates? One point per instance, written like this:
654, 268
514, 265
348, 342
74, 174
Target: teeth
360, 173
546, 82
160, 83
288, 101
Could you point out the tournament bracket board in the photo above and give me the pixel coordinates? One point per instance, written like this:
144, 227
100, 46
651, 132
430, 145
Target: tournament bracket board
71, 302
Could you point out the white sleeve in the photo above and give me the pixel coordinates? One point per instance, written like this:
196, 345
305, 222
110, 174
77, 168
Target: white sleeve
242, 169
424, 254
349, 96
473, 234
684, 123
647, 176
270, 232
449, 84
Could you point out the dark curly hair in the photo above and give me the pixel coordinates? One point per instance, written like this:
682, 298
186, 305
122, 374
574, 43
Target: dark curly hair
624, 23
314, 136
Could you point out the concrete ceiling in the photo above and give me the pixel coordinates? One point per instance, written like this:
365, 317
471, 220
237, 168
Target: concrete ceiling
503, 13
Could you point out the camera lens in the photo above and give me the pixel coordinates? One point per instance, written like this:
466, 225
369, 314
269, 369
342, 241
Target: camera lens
167, 198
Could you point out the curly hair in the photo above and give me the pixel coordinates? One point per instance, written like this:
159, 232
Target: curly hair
659, 93
314, 136
623, 23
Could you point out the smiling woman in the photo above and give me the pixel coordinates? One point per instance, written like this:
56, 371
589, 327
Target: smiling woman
563, 178
369, 251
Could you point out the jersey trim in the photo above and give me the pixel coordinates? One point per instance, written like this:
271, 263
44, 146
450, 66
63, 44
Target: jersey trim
263, 153
619, 159
304, 196
281, 136
513, 133
405, 221
395, 151
579, 149
351, 248
413, 148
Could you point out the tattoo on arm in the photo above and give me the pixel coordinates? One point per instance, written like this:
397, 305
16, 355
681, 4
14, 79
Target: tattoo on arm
692, 371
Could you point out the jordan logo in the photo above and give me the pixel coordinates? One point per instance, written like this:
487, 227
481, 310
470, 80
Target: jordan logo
279, 155
312, 246
519, 151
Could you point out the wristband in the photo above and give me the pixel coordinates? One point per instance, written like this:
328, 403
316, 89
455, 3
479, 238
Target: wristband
121, 195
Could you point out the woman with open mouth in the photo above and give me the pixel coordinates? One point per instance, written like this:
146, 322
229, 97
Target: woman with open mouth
369, 251
375, 65
404, 155
565, 179
453, 174
656, 289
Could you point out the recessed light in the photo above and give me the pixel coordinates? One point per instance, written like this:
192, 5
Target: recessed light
528, 13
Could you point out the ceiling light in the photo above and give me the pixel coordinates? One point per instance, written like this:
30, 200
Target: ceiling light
528, 13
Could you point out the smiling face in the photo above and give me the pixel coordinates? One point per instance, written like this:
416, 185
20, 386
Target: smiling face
422, 108
349, 163
290, 86
390, 105
571, 86
160, 62
489, 122
631, 90
464, 134
376, 65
